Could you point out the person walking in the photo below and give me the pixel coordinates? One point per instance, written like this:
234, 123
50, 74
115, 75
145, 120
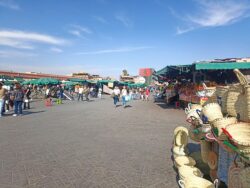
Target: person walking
80, 93
124, 94
2, 98
147, 93
27, 98
100, 92
87, 91
18, 100
9, 100
116, 96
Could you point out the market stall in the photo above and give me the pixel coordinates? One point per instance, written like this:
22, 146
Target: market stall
223, 133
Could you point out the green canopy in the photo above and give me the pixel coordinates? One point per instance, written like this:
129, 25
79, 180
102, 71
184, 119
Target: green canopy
137, 85
19, 79
70, 83
30, 82
105, 81
76, 80
4, 77
45, 81
8, 82
221, 65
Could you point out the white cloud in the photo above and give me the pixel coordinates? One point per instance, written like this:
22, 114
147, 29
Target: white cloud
25, 40
15, 43
9, 4
185, 30
215, 13
100, 19
57, 50
79, 31
118, 50
15, 54
124, 19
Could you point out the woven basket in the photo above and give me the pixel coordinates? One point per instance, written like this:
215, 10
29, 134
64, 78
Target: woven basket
233, 95
234, 176
239, 134
205, 149
205, 128
245, 177
212, 160
187, 171
181, 138
179, 151
195, 182
221, 94
195, 107
222, 123
213, 175
193, 113
242, 105
180, 128
184, 160
212, 111
238, 100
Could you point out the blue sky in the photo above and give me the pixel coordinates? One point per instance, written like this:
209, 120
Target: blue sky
105, 36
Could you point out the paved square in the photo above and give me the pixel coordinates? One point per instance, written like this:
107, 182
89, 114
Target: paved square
89, 144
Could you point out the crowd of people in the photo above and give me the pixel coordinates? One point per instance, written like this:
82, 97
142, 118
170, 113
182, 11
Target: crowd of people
17, 98
127, 94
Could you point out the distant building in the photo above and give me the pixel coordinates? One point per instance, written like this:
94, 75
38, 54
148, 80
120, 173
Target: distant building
32, 75
127, 79
96, 77
81, 75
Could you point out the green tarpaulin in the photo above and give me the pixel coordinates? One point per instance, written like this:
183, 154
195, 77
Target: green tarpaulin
221, 66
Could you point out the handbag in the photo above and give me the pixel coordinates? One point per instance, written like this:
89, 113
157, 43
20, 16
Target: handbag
127, 98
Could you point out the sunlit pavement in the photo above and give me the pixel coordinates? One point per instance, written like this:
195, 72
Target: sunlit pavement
89, 144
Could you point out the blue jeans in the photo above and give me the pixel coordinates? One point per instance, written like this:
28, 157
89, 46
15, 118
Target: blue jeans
18, 107
116, 99
123, 101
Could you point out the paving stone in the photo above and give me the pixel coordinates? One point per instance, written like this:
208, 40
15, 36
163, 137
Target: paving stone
89, 145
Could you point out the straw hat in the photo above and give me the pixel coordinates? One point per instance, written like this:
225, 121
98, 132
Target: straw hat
195, 182
184, 160
212, 111
212, 160
240, 134
222, 123
187, 171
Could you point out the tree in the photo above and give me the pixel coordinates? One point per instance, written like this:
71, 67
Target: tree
125, 73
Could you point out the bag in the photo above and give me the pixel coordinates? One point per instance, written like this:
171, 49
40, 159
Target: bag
112, 95
127, 98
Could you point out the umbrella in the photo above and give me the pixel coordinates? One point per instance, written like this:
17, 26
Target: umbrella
70, 83
45, 81
28, 82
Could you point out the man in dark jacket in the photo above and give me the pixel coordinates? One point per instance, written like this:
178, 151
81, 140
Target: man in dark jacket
18, 100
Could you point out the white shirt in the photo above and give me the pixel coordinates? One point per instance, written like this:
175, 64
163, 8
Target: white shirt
80, 90
124, 92
117, 91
